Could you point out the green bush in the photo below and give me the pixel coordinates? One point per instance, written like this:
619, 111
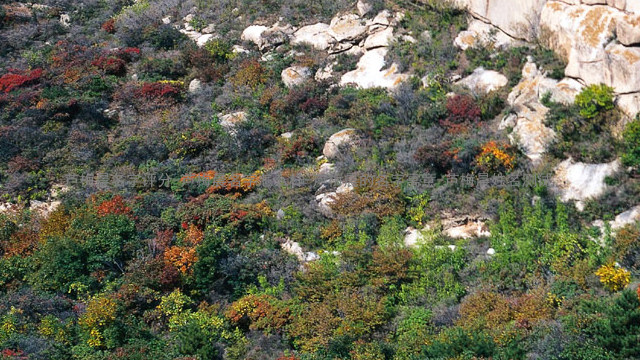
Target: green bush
594, 99
631, 143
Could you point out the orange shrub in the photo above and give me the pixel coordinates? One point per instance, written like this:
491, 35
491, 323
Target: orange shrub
495, 157
115, 206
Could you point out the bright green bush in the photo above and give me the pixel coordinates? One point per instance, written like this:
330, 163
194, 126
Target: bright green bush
594, 99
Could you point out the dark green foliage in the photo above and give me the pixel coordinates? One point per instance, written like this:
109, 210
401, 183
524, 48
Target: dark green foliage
631, 144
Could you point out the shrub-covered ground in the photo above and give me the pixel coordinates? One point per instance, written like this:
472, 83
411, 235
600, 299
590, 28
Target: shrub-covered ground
138, 263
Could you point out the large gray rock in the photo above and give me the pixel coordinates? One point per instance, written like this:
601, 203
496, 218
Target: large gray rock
582, 34
381, 38
479, 33
527, 120
517, 18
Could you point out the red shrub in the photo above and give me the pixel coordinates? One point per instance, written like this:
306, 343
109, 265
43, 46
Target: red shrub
17, 78
109, 26
158, 90
110, 65
463, 112
128, 54
114, 206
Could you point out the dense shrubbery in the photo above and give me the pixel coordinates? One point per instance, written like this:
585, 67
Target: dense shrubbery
585, 128
159, 264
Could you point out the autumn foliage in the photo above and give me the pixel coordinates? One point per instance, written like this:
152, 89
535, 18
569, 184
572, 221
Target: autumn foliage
463, 113
17, 78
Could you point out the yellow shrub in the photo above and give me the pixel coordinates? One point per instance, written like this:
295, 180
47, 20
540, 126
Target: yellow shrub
613, 278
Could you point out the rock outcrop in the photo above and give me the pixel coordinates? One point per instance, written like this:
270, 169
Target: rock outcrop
599, 39
483, 81
370, 72
338, 142
579, 181
295, 75
527, 119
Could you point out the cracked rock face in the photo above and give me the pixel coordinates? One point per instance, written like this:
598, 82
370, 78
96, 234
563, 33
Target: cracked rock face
527, 120
583, 35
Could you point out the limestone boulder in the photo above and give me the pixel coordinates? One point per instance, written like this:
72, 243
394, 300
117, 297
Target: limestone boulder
316, 35
480, 33
527, 120
195, 86
483, 81
379, 39
339, 142
230, 121
294, 248
583, 35
580, 181
349, 27
369, 72
325, 200
295, 75
254, 34
464, 227
363, 8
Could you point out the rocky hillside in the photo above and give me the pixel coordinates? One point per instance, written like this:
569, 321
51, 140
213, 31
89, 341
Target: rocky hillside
315, 180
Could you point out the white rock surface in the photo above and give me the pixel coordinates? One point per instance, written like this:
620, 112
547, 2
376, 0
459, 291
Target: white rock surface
254, 34
347, 27
369, 72
195, 86
479, 33
43, 209
295, 75
230, 121
527, 120
379, 39
294, 248
583, 34
469, 230
483, 81
363, 7
316, 35
580, 181
325, 200
338, 142
519, 19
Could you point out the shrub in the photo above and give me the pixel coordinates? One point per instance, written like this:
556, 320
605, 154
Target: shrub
613, 278
495, 158
594, 99
109, 26
110, 65
436, 156
463, 113
16, 78
251, 74
220, 50
631, 143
